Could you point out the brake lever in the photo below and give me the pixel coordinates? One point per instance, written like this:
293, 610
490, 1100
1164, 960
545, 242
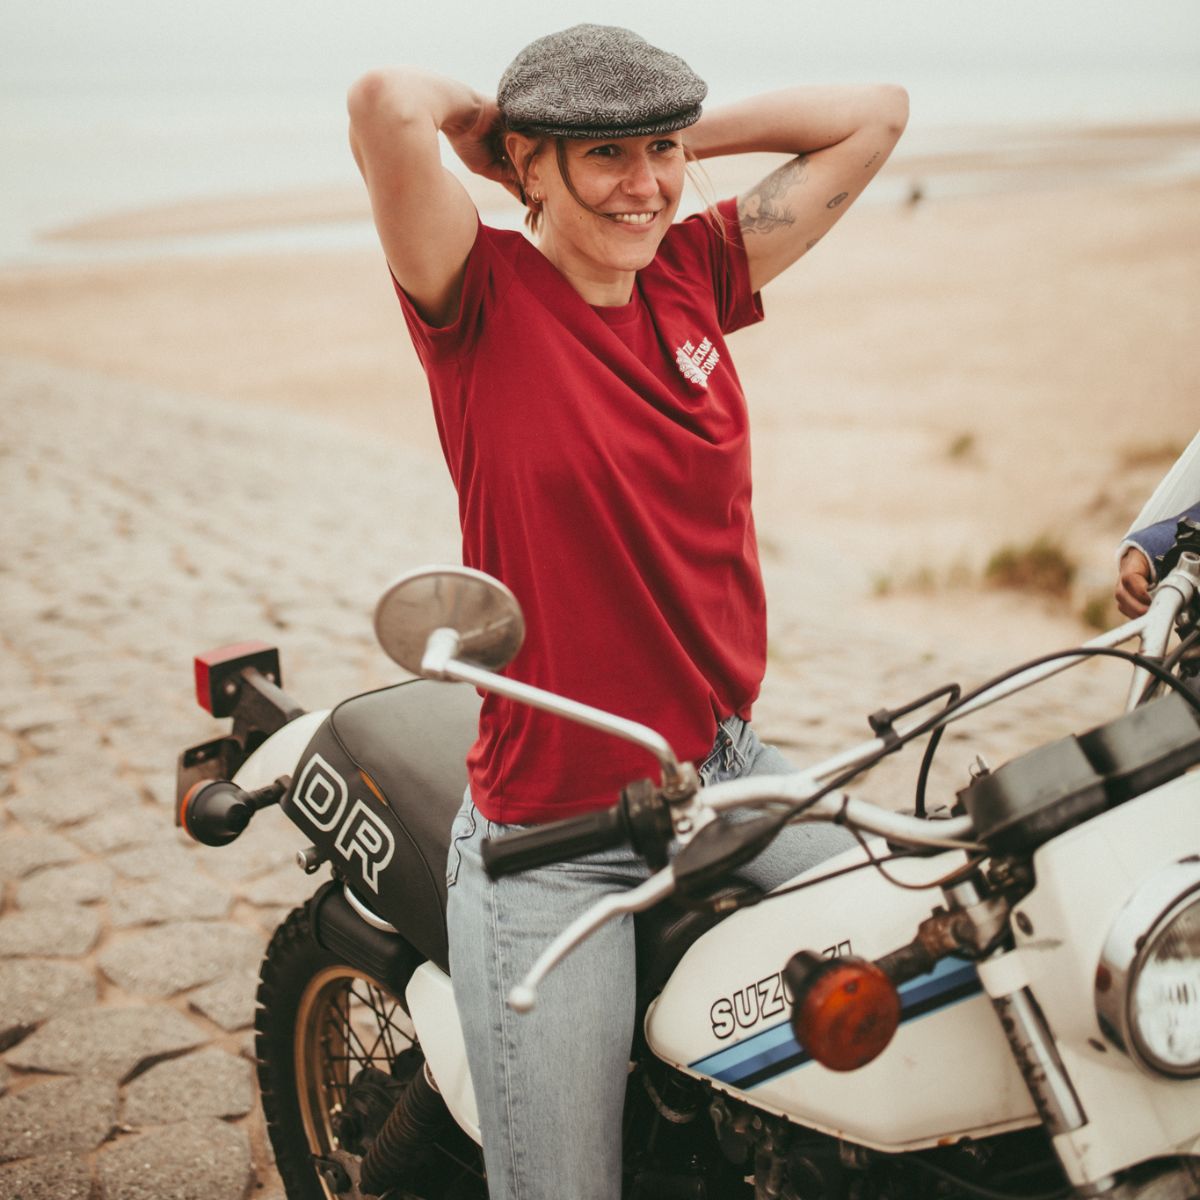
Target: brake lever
720, 847
523, 997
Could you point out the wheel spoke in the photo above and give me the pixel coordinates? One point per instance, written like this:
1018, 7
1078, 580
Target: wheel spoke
353, 1023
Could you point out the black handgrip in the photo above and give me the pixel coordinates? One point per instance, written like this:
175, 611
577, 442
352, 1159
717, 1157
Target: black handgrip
551, 843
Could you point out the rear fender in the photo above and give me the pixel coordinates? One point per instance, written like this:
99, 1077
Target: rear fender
280, 753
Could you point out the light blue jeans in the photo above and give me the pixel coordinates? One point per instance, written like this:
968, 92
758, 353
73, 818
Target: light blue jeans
550, 1084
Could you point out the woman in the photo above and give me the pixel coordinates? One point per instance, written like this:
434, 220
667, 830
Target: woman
596, 432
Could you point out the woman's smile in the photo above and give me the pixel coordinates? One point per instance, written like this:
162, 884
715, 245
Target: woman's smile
637, 219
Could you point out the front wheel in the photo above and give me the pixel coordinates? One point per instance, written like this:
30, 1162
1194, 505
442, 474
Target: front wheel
335, 1051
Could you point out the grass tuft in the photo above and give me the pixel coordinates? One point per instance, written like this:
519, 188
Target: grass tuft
1099, 611
1042, 566
963, 446
1150, 454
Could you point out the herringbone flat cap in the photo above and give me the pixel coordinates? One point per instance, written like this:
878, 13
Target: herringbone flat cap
598, 81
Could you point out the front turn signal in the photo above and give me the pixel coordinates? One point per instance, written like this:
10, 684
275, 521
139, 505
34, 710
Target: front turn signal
844, 1010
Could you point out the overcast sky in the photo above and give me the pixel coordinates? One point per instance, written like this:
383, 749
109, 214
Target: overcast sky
252, 43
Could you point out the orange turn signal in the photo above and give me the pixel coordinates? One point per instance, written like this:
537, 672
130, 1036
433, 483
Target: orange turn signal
844, 1010
214, 811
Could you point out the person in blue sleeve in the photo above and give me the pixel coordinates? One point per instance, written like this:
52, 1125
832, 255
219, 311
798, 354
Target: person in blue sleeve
1138, 553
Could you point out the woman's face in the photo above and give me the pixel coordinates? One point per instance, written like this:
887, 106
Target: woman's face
631, 187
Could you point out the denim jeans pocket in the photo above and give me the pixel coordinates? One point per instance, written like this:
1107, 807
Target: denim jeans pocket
462, 829
727, 759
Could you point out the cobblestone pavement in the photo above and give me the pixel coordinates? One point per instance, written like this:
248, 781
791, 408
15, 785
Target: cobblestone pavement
139, 528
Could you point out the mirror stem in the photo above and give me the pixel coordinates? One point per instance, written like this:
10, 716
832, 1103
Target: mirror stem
679, 781
440, 650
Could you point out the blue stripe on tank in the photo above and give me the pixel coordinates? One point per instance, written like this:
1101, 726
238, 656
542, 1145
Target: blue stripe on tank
774, 1051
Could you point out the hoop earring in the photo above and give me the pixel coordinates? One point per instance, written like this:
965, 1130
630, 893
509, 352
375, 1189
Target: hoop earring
536, 197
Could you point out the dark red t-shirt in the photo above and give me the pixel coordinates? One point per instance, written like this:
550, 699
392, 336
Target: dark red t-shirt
602, 461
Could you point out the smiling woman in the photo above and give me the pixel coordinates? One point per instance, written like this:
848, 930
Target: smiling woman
632, 184
597, 434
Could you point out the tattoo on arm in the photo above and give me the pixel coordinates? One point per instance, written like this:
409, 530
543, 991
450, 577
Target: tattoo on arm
764, 208
871, 160
837, 199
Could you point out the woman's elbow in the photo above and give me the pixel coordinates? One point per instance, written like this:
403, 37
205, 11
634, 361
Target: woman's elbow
380, 93
364, 93
893, 108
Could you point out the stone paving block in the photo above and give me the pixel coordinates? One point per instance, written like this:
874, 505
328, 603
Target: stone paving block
22, 854
50, 1177
49, 932
160, 785
78, 883
207, 1160
188, 895
82, 744
110, 709
271, 842
119, 829
169, 854
32, 989
284, 887
171, 958
159, 754
208, 1083
269, 919
107, 1042
15, 686
54, 640
56, 1115
33, 712
229, 1002
5, 1076
70, 800
10, 751
63, 767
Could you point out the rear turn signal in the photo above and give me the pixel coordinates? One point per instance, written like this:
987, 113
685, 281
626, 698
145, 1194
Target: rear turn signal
214, 812
844, 1010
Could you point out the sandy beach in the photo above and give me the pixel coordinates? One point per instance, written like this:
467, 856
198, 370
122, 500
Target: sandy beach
1006, 359
934, 380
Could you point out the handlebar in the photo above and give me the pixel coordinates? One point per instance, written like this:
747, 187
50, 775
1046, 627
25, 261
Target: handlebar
641, 819
572, 838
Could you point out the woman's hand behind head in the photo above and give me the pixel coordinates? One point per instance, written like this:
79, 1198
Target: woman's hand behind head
481, 147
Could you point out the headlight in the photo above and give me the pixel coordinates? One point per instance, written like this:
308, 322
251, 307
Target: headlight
1148, 980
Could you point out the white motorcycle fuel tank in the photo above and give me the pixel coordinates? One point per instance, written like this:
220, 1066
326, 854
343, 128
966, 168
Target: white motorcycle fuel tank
724, 1016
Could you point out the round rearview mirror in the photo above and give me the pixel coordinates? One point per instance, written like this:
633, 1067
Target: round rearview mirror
480, 609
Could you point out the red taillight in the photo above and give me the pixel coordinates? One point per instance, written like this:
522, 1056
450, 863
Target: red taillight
216, 673
844, 1010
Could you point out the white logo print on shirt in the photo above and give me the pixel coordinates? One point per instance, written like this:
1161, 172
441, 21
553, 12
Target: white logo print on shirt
696, 363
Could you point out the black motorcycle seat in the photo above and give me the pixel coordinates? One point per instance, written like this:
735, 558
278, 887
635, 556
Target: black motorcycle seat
412, 741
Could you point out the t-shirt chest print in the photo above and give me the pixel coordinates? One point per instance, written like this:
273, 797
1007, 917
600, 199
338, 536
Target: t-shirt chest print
697, 362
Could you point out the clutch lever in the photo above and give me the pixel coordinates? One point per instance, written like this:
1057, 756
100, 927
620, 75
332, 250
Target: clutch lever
659, 886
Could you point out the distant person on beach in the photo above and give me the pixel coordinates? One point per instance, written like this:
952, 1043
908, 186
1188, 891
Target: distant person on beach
597, 435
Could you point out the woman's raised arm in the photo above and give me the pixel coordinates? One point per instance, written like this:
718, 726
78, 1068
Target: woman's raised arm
841, 136
426, 220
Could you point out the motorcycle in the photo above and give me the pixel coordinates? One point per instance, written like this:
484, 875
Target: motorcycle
1001, 1000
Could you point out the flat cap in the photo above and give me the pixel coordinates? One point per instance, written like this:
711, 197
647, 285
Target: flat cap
598, 81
